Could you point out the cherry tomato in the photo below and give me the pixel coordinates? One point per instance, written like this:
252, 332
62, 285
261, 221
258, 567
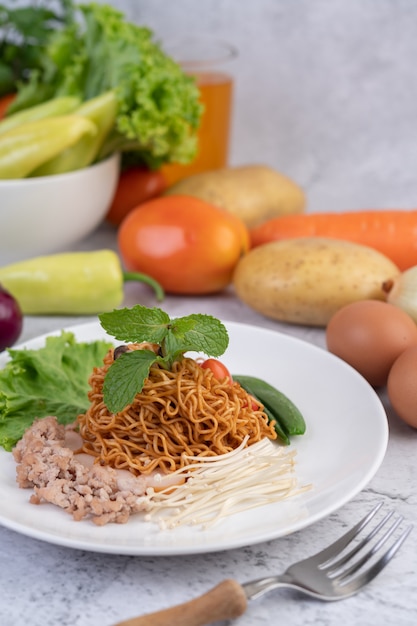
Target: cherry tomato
136, 185
219, 371
188, 245
254, 403
4, 103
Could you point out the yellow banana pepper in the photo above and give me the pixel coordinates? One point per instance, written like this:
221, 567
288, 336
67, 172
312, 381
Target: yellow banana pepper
26, 147
73, 283
102, 112
50, 108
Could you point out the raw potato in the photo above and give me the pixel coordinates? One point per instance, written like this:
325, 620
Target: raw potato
306, 280
255, 193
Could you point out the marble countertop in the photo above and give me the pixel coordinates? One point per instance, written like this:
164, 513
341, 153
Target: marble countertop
43, 584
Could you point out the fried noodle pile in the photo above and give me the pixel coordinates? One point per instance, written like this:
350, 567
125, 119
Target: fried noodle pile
178, 414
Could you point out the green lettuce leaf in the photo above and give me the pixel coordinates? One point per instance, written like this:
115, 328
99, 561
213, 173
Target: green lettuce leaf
159, 110
52, 380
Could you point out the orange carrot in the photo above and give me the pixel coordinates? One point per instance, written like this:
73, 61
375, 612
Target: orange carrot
392, 232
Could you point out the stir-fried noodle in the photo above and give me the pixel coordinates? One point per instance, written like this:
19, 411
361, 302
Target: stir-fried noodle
178, 414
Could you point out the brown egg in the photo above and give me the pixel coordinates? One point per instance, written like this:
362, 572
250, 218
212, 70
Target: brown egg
402, 386
370, 335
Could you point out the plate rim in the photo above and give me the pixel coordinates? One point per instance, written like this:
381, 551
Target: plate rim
238, 542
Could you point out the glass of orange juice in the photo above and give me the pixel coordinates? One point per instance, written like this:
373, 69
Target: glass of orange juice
207, 59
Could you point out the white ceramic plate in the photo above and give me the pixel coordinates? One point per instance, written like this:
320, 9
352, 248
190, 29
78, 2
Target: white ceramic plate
344, 445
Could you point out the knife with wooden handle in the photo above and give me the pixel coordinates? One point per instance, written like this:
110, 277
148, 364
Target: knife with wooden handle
225, 601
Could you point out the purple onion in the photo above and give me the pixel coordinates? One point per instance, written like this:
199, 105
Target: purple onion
11, 320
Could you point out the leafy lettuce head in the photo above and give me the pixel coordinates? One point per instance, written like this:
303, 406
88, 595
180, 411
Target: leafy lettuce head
158, 104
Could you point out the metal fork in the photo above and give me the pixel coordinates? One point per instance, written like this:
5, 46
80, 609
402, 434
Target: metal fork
332, 574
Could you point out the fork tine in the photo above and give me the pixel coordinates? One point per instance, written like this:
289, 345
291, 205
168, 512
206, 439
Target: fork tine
336, 569
355, 583
311, 575
327, 556
333, 564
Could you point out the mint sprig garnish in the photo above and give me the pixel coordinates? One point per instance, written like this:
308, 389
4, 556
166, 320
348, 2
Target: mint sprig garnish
127, 374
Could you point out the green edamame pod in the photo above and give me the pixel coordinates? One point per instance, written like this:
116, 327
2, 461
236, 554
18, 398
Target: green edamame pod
277, 426
285, 412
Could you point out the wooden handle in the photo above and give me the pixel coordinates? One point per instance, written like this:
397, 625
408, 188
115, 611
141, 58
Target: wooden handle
225, 601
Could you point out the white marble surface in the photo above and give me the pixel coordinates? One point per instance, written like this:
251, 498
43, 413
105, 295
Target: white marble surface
46, 585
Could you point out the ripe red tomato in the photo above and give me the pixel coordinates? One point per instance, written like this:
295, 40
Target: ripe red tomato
254, 404
219, 371
188, 245
136, 185
4, 103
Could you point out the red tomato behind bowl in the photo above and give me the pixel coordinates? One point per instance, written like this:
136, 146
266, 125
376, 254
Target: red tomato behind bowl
5, 101
136, 185
188, 245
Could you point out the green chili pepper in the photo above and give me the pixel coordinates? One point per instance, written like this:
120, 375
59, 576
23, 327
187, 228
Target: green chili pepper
26, 147
50, 108
102, 112
73, 283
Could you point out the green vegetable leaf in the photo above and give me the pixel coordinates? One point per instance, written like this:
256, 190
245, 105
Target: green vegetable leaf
126, 377
52, 380
197, 332
6, 79
24, 32
159, 107
136, 324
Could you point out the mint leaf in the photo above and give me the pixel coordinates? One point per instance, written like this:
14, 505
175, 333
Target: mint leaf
136, 324
125, 378
177, 340
126, 375
200, 333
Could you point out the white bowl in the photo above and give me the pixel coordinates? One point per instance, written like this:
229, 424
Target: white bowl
51, 213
